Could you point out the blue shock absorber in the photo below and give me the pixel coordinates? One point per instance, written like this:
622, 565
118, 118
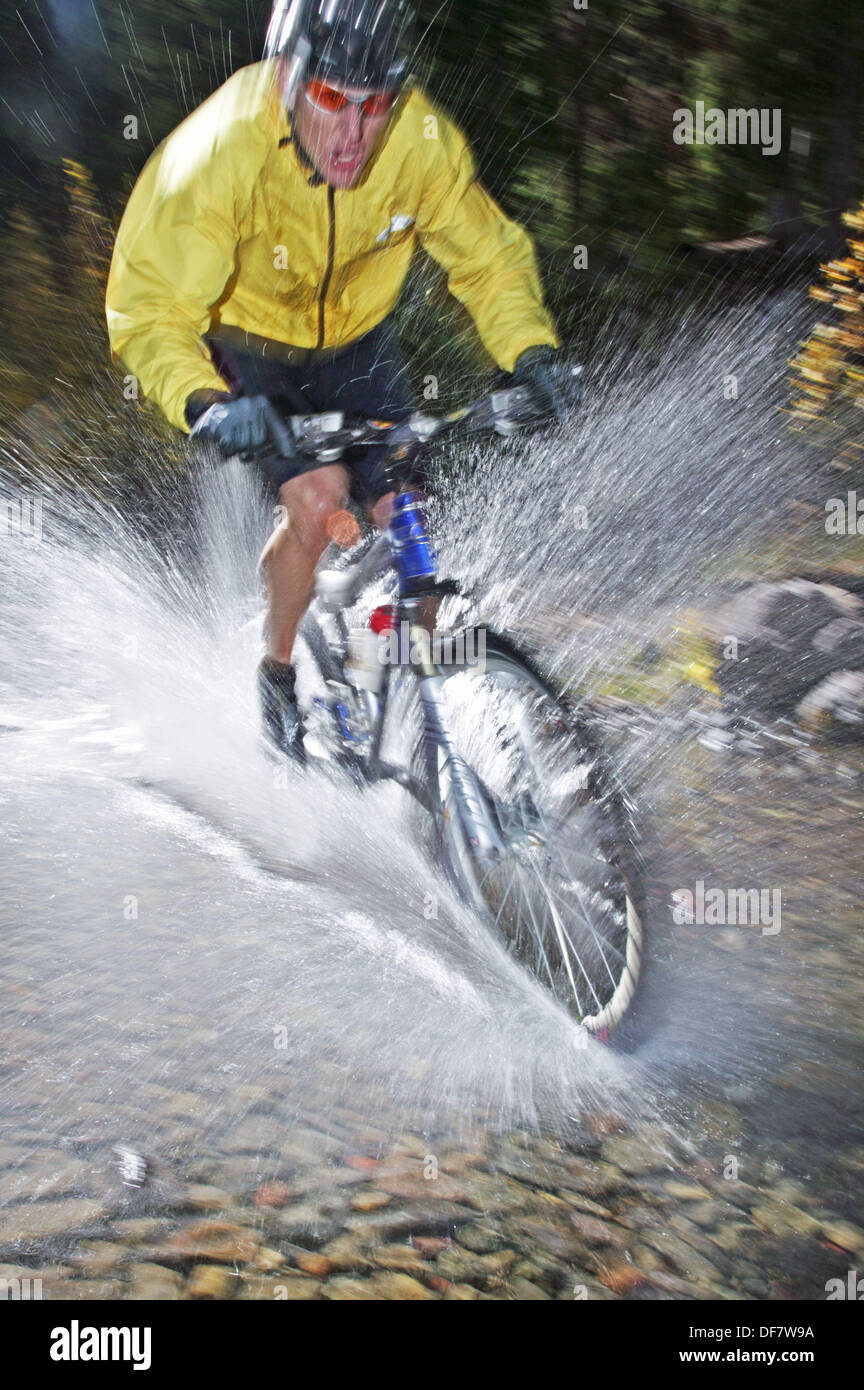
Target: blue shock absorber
413, 555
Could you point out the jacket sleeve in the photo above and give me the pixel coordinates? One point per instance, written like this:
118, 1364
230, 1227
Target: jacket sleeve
489, 259
173, 257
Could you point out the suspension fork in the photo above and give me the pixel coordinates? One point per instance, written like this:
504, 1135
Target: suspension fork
456, 779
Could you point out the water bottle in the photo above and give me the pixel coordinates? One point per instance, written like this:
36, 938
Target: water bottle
363, 666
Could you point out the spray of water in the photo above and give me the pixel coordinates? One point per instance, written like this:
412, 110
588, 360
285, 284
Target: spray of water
290, 902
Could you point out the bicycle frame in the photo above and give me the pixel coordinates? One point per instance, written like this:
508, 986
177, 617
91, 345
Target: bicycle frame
409, 551
407, 547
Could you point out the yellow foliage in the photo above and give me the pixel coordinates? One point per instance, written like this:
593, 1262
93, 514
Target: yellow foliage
827, 370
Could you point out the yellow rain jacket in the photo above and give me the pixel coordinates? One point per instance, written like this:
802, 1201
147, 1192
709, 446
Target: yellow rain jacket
228, 227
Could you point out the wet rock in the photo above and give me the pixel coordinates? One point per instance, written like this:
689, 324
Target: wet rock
49, 1173
276, 1287
835, 707
318, 1265
756, 1287
11, 1155
346, 1253
580, 1288
741, 1195
525, 1170
40, 1220
134, 1230
211, 1281
685, 1191
645, 1258
430, 1246
555, 1240
460, 1293
595, 1232
781, 1217
20, 1272
345, 1290
731, 1235
408, 1178
580, 1202
362, 1162
307, 1219
256, 1134
370, 1201
464, 1267
460, 1161
181, 1104
327, 1178
597, 1179
72, 1290
525, 1291
432, 1217
706, 1215
309, 1146
267, 1260
675, 1287
400, 1257
266, 1287
412, 1145
844, 1234
399, 1287
544, 1272
297, 1290
231, 1174
95, 1257
272, 1194
621, 1276
480, 1238
221, 1241
634, 1153
493, 1193
688, 1262
204, 1198
601, 1124
155, 1283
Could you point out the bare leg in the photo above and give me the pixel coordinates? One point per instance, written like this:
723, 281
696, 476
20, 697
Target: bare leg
294, 549
380, 514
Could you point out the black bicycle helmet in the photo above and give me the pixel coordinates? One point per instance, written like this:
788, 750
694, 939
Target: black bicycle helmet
356, 43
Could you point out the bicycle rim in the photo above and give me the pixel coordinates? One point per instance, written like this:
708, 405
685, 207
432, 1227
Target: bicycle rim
564, 893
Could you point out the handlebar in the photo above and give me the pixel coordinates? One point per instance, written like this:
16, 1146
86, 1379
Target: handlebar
325, 437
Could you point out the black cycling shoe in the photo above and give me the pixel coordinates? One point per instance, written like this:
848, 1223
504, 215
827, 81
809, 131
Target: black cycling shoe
281, 716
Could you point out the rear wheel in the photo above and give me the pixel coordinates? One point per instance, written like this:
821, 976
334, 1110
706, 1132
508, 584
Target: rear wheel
565, 889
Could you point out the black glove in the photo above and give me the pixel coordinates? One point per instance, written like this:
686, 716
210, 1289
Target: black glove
535, 373
246, 424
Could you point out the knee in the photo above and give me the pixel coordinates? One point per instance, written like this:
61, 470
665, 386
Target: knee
309, 502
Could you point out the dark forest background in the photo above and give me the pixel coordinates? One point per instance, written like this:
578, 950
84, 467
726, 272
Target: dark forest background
570, 111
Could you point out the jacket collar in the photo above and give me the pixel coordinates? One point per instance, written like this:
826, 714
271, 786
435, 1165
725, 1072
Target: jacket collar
311, 174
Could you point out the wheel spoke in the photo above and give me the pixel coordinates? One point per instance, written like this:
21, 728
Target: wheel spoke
555, 891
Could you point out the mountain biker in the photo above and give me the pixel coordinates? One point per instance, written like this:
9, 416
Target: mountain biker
260, 257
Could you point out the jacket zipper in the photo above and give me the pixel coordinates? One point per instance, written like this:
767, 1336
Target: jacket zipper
328, 271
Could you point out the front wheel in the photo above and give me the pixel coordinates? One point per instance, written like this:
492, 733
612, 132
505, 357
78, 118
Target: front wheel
564, 888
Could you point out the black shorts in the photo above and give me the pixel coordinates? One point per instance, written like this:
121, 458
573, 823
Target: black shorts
368, 378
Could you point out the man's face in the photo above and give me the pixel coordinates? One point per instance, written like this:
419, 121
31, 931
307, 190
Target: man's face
339, 143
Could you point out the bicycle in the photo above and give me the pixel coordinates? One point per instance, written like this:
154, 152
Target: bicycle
529, 821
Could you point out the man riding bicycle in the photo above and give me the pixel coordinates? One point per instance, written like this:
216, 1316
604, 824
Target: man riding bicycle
261, 255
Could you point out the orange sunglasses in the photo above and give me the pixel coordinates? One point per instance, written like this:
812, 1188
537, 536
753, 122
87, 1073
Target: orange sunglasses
332, 100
